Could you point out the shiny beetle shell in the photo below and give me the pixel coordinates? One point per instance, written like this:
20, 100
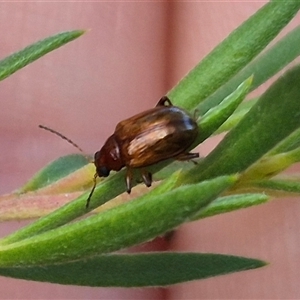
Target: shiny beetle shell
163, 132
155, 135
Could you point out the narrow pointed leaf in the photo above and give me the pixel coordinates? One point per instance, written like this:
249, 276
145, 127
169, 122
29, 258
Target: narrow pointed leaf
106, 191
54, 171
139, 270
173, 167
126, 225
285, 184
262, 68
32, 205
216, 116
255, 134
269, 166
230, 203
237, 116
20, 59
288, 144
234, 53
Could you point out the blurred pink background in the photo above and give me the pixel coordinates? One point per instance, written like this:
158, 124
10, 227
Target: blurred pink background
132, 55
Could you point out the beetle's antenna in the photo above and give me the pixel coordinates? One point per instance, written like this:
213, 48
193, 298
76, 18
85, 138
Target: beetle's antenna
62, 136
92, 191
86, 156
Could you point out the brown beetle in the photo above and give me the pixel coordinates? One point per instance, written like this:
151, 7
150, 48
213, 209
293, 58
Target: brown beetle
163, 132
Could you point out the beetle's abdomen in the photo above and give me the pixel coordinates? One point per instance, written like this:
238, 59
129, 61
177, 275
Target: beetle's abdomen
155, 135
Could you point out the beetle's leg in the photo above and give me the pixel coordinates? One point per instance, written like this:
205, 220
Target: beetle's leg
163, 100
92, 191
147, 177
187, 156
128, 179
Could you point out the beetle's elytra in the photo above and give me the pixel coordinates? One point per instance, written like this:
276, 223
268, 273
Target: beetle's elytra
163, 132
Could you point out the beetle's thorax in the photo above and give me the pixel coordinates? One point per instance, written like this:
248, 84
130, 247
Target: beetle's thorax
108, 158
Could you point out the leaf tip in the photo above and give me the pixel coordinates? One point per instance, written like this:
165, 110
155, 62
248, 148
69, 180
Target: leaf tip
249, 80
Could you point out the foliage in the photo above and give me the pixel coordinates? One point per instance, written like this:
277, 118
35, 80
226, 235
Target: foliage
243, 170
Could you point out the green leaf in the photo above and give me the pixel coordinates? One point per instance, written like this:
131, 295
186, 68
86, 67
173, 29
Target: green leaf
285, 184
240, 112
217, 115
292, 142
137, 221
262, 68
230, 203
33, 205
54, 171
277, 111
139, 270
269, 166
20, 59
107, 190
172, 168
234, 53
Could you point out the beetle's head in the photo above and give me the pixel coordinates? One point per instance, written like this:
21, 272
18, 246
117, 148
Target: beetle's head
108, 158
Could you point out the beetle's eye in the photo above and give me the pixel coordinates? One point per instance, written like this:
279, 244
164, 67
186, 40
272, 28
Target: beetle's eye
103, 171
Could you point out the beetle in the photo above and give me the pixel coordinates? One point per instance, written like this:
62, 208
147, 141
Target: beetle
165, 131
